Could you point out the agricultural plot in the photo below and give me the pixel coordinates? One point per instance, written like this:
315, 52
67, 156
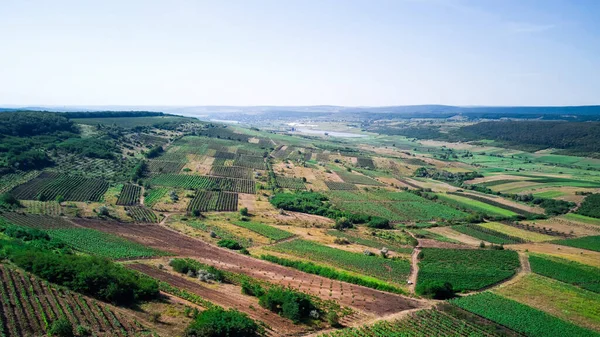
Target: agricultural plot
375, 266
154, 195
29, 306
586, 242
91, 167
205, 201
11, 180
252, 162
102, 244
467, 269
425, 234
373, 242
36, 221
338, 186
423, 323
365, 162
193, 182
141, 214
492, 203
49, 186
51, 208
519, 317
231, 172
423, 210
132, 122
357, 179
130, 195
290, 183
224, 155
475, 205
525, 235
264, 230
165, 166
566, 271
487, 234
220, 233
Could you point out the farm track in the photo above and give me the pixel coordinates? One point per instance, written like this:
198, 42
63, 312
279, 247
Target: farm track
361, 298
224, 298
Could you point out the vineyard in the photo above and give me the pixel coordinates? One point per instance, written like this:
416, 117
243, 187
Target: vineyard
204, 182
493, 203
29, 306
375, 266
253, 162
102, 244
264, 230
130, 195
571, 272
220, 232
423, 323
486, 234
587, 242
357, 179
205, 201
49, 186
421, 210
519, 317
463, 202
36, 221
373, 242
9, 181
51, 208
141, 214
154, 195
289, 182
230, 171
339, 186
165, 166
365, 162
466, 269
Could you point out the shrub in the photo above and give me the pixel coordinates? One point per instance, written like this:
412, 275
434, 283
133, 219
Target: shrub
230, 244
216, 322
438, 289
380, 223
244, 211
342, 223
288, 303
61, 328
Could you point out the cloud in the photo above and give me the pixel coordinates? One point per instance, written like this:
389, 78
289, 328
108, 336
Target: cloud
525, 27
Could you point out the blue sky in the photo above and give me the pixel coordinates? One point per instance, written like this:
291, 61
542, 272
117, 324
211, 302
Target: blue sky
285, 52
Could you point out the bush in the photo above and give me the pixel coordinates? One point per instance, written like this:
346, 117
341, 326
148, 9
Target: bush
230, 244
438, 290
61, 328
342, 223
252, 289
380, 223
244, 211
333, 319
216, 322
288, 303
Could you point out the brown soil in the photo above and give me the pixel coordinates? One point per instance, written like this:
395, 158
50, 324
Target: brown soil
358, 297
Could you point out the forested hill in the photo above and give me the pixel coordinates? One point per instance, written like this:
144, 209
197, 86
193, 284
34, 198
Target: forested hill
575, 137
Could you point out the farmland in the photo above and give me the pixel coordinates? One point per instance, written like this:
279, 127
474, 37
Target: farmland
141, 214
339, 186
487, 234
588, 242
265, 230
154, 195
204, 182
165, 166
130, 195
204, 201
231, 171
467, 269
290, 183
566, 271
475, 205
49, 186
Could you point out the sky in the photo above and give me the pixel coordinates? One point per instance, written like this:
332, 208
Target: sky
308, 52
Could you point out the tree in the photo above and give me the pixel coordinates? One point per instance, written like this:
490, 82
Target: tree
61, 328
244, 211
103, 210
216, 322
436, 289
342, 223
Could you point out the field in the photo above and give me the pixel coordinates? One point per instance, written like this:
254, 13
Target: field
205, 201
204, 182
525, 235
492, 202
154, 195
566, 271
519, 317
487, 234
30, 305
357, 179
102, 244
141, 214
365, 162
165, 166
231, 171
375, 266
423, 210
130, 195
375, 241
467, 269
36, 221
475, 205
424, 323
339, 186
290, 183
10, 180
251, 162
51, 208
264, 230
49, 186
562, 300
586, 242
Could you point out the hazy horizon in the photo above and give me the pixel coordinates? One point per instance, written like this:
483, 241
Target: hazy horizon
300, 53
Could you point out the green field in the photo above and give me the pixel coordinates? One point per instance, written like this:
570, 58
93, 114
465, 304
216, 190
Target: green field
475, 205
586, 242
571, 272
264, 230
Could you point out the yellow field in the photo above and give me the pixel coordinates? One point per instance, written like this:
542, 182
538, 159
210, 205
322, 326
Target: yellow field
570, 253
520, 233
562, 300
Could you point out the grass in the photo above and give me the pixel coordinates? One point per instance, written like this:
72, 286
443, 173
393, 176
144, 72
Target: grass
475, 205
264, 230
486, 234
154, 195
520, 317
582, 218
392, 270
102, 244
467, 269
586, 242
559, 299
549, 194
373, 242
423, 233
570, 272
517, 232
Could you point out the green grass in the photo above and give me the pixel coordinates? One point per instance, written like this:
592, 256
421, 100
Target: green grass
586, 242
571, 272
102, 244
582, 218
549, 194
264, 230
392, 270
423, 233
154, 195
467, 269
475, 205
519, 317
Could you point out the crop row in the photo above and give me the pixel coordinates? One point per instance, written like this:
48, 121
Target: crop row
205, 201
357, 179
36, 221
264, 230
423, 210
141, 214
492, 202
487, 234
48, 186
130, 195
154, 195
30, 306
253, 162
365, 162
423, 323
204, 182
338, 186
373, 242
394, 270
586, 242
9, 181
291, 183
165, 166
571, 272
231, 171
51, 208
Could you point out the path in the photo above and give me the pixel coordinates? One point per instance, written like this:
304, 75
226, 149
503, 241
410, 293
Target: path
414, 269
